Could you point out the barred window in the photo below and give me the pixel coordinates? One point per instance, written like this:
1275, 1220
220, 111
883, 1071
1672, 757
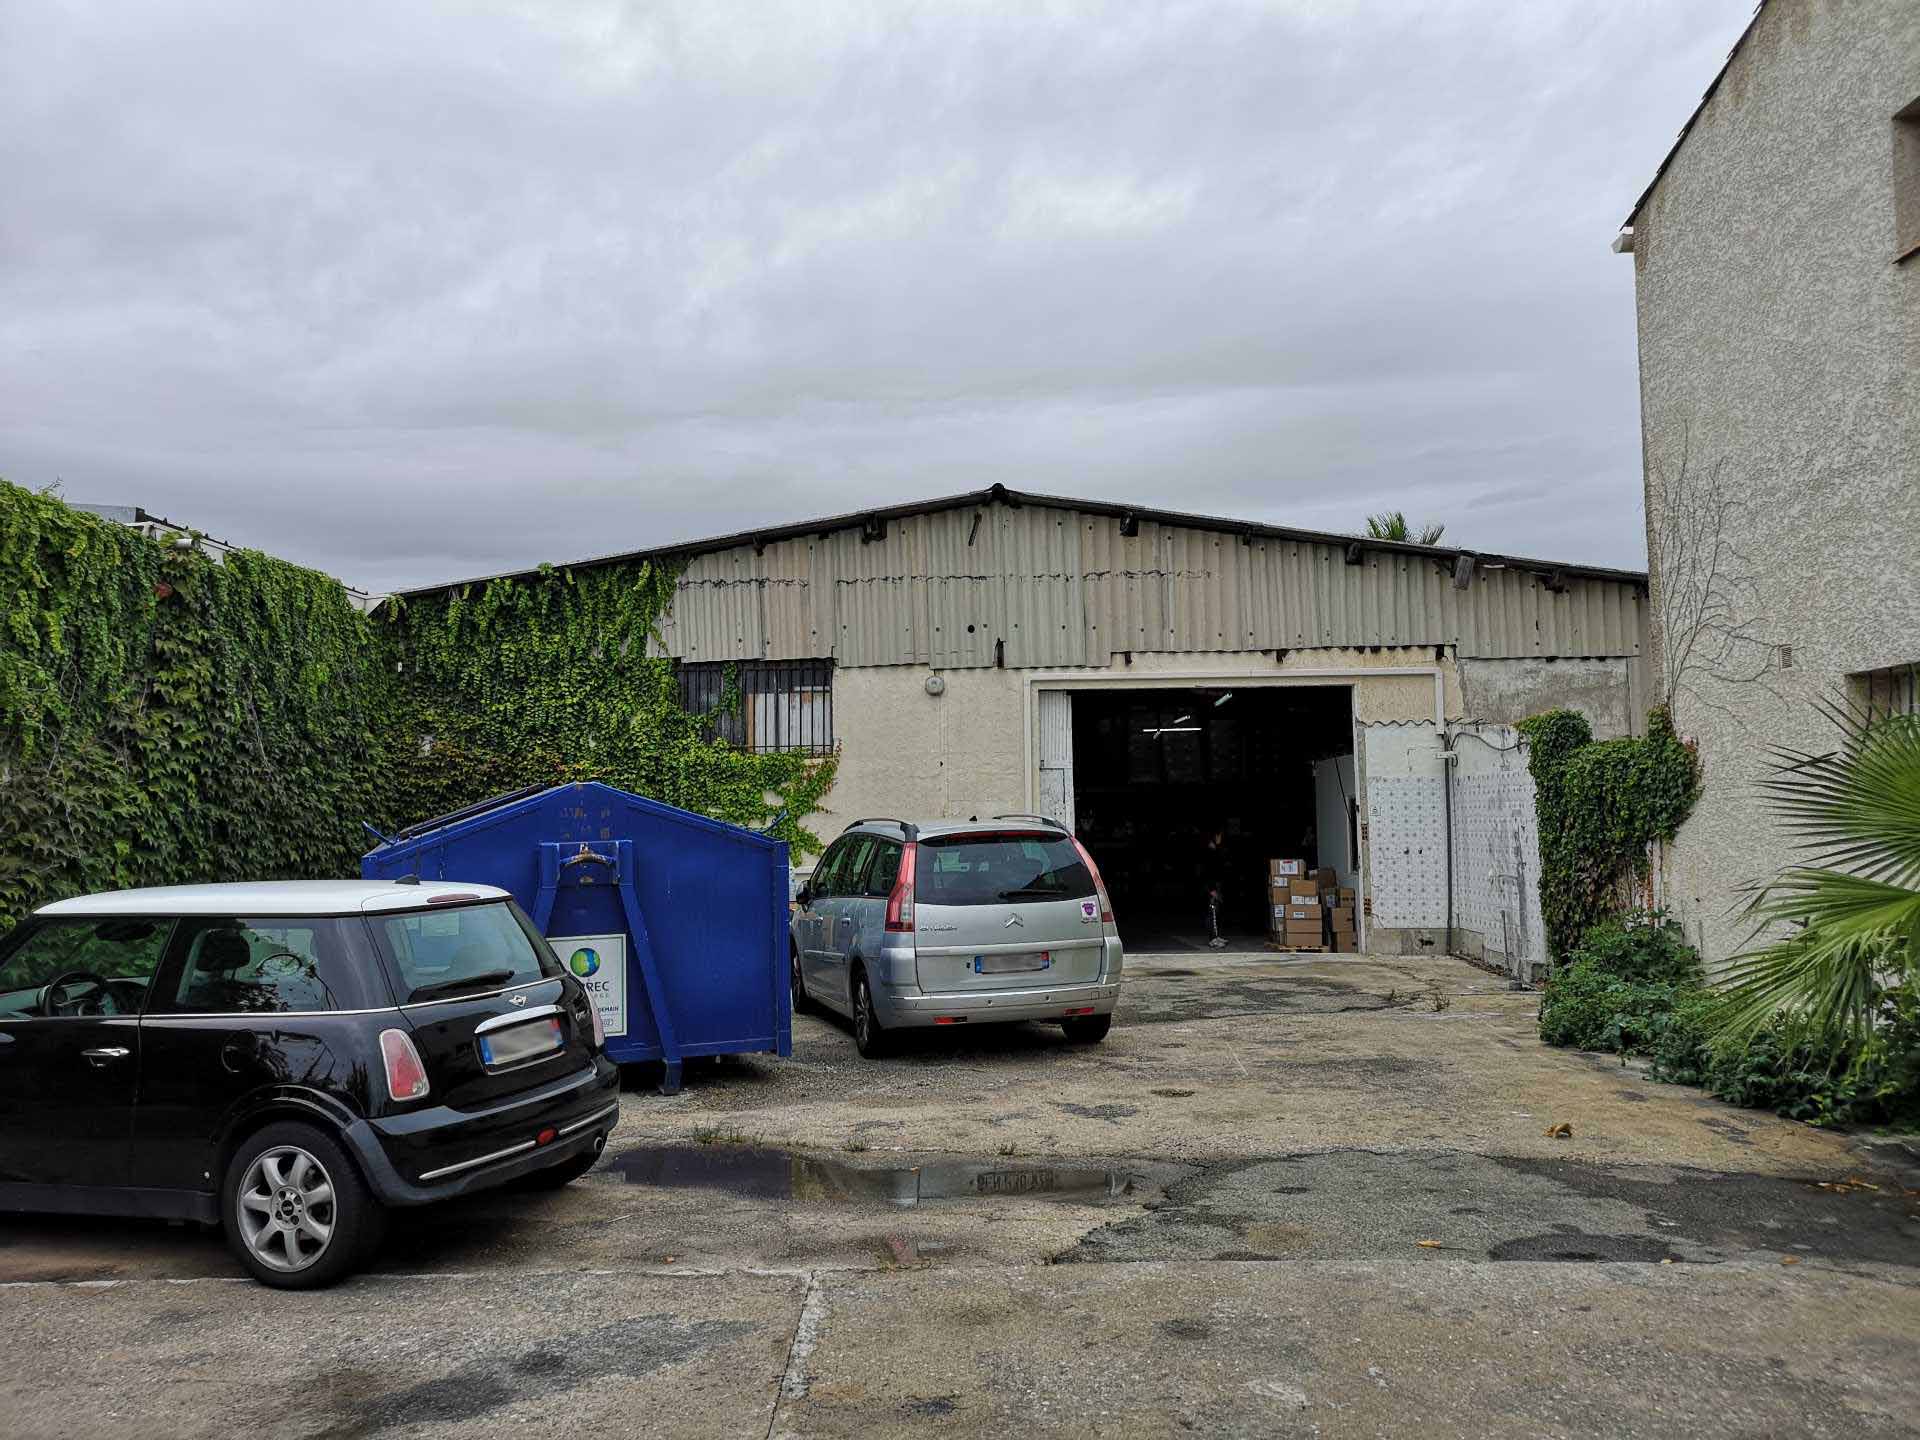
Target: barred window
1892, 691
763, 704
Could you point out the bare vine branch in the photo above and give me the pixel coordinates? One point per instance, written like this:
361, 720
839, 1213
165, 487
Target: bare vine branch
1710, 609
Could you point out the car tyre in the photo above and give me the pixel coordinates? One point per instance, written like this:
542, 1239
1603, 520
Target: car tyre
1087, 1029
297, 1214
869, 1038
801, 1004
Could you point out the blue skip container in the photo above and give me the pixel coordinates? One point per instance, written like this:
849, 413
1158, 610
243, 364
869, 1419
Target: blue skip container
676, 923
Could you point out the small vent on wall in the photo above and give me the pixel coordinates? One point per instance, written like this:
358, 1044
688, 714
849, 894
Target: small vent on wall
1784, 654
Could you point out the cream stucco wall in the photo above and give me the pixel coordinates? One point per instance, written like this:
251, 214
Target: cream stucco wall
1780, 349
973, 749
969, 750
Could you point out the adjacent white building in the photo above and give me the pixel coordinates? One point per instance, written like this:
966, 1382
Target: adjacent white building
1777, 275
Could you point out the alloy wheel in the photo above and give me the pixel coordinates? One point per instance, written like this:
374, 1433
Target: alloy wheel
862, 1014
286, 1208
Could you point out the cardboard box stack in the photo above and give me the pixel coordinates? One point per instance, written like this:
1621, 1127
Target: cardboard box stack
1346, 936
1298, 906
1311, 909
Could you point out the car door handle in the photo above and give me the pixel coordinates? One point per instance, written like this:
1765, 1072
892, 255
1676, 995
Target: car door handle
847, 920
106, 1056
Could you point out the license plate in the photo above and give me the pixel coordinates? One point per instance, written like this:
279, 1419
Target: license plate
520, 1042
1010, 964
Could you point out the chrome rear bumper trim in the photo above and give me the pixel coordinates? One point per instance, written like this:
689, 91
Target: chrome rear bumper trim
447, 1170
520, 1149
613, 1109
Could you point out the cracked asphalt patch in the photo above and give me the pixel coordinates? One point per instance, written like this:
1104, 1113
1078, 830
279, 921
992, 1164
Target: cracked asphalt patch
1347, 1204
566, 1354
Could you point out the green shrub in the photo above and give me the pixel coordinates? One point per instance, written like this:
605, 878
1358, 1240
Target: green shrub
1586, 1008
1681, 1050
1796, 1070
1622, 987
1643, 948
1633, 987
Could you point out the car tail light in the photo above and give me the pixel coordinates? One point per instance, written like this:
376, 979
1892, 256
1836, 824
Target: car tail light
406, 1076
599, 1026
900, 902
1099, 885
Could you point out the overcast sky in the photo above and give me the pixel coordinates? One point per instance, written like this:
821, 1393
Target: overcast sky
416, 291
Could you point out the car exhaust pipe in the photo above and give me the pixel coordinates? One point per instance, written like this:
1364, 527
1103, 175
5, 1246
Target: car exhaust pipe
600, 1143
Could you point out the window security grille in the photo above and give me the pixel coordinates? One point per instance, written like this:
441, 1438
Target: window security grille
771, 704
1892, 691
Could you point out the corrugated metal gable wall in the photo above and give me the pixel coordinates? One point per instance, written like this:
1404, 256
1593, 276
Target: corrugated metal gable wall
1063, 588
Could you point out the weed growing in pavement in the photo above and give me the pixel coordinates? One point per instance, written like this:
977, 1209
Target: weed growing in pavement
855, 1145
1441, 1002
1007, 1147
720, 1135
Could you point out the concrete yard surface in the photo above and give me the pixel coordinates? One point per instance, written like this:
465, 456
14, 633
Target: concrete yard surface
1288, 1195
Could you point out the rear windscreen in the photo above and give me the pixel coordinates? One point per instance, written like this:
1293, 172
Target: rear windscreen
999, 869
468, 950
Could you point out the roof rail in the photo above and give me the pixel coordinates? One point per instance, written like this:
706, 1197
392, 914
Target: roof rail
1043, 819
910, 830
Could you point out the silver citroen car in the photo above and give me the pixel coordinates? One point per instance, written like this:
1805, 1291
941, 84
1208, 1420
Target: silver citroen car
904, 925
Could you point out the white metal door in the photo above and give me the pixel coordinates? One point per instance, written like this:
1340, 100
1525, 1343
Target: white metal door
1056, 755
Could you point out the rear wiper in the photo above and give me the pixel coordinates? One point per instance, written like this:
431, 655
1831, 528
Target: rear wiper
482, 981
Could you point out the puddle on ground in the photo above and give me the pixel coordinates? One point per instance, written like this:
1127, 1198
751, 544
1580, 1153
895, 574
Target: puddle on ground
766, 1174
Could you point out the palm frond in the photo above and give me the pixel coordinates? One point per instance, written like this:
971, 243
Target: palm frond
1858, 807
1388, 525
1853, 931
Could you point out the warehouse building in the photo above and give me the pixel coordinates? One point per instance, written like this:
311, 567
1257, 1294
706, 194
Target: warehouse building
1195, 696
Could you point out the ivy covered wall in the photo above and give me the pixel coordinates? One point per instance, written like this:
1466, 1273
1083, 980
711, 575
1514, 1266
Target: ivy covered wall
1600, 804
166, 717
548, 679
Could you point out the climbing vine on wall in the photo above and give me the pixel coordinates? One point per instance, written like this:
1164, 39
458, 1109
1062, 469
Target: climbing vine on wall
169, 717
166, 718
547, 679
1600, 805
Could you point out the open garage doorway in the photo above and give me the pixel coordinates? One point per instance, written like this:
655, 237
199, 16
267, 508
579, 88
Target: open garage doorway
1178, 790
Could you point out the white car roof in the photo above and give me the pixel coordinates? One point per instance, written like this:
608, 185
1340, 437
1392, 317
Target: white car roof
270, 897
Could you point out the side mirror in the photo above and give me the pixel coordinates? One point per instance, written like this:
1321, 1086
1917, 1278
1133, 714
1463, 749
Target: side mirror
804, 898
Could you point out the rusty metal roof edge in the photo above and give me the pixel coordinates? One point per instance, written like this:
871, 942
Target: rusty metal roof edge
1698, 110
825, 525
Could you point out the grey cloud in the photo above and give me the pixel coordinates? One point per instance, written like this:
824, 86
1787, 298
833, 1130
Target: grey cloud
411, 292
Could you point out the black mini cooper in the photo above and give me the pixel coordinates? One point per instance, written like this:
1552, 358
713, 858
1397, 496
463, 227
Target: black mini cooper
286, 1060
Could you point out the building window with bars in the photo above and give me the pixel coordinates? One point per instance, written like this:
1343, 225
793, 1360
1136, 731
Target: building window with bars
763, 705
1894, 690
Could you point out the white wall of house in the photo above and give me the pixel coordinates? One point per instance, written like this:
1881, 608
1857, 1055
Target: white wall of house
1780, 351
